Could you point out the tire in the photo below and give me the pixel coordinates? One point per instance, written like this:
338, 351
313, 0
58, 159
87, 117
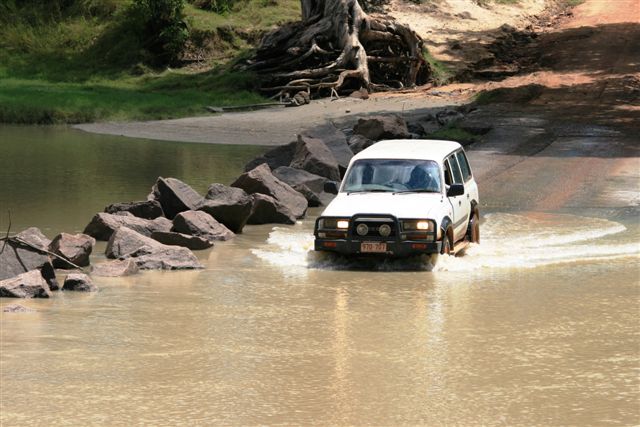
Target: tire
446, 244
473, 230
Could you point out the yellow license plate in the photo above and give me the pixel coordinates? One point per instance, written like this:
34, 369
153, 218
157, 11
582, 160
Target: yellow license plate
373, 247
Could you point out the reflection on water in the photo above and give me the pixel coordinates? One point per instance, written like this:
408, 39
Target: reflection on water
72, 174
271, 333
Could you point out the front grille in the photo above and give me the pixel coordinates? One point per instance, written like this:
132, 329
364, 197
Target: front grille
373, 225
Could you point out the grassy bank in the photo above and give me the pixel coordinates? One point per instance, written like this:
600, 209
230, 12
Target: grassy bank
83, 64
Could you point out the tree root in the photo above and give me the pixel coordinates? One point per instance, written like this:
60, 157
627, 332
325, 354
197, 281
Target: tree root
338, 48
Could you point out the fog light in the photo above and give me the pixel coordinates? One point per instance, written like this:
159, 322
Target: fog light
384, 230
342, 223
362, 229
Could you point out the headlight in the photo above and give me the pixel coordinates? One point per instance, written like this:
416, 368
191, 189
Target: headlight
418, 225
333, 223
384, 230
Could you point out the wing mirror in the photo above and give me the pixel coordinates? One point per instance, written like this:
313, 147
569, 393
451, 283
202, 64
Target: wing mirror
455, 190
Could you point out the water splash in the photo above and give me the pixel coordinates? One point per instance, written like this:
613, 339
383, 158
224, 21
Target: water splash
508, 241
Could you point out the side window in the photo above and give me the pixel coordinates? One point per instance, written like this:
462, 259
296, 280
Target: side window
455, 169
464, 165
447, 173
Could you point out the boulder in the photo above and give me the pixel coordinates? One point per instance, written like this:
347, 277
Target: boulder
35, 237
376, 128
74, 247
276, 157
199, 223
313, 199
229, 205
268, 210
17, 308
115, 268
336, 140
175, 196
149, 254
147, 209
103, 225
314, 156
261, 180
26, 285
18, 258
357, 143
448, 117
179, 239
295, 177
79, 282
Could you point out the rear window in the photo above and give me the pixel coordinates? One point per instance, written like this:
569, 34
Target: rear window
464, 165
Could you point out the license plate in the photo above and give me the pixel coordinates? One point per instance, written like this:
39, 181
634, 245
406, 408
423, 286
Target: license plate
369, 247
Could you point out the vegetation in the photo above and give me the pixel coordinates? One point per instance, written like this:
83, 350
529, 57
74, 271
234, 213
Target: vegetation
453, 133
68, 61
440, 74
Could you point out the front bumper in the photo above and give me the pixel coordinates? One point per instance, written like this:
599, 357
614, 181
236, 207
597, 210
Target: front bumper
399, 244
394, 248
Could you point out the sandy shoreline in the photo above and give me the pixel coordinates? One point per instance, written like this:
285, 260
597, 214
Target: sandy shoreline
274, 126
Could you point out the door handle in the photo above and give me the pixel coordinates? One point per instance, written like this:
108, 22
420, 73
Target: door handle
460, 203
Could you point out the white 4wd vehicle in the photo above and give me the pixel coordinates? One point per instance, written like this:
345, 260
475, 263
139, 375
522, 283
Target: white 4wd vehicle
402, 198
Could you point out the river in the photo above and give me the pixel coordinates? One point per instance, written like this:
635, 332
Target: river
537, 325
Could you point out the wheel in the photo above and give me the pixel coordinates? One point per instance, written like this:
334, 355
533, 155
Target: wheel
446, 243
473, 231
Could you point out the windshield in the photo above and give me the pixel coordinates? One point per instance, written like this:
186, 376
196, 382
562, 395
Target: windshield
399, 176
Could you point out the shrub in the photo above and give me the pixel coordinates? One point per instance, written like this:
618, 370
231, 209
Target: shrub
161, 27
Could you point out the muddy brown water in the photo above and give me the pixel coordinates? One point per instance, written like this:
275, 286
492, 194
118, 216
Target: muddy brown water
538, 325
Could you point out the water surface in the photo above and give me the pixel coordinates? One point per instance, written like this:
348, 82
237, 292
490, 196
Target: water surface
537, 325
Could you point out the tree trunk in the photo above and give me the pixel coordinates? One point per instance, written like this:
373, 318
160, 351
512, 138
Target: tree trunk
338, 47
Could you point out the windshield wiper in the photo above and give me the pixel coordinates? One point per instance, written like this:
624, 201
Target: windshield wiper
423, 190
375, 190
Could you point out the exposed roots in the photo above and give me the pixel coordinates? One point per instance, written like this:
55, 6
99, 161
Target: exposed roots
338, 48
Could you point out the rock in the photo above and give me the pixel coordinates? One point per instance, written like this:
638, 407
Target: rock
268, 210
357, 143
279, 156
74, 247
229, 205
295, 177
313, 199
115, 268
17, 308
314, 156
103, 225
34, 236
382, 127
336, 140
26, 285
199, 223
448, 117
178, 239
175, 196
18, 258
79, 282
309, 185
147, 209
149, 254
261, 180
361, 93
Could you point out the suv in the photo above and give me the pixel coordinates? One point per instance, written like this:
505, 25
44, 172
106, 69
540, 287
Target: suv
402, 198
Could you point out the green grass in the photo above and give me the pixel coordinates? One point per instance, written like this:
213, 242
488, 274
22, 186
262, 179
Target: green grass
453, 133
441, 74
82, 67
